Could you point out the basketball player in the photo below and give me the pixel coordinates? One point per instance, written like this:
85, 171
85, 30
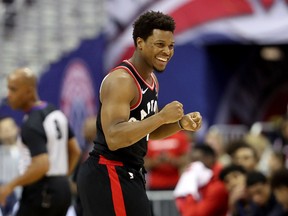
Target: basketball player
54, 151
111, 181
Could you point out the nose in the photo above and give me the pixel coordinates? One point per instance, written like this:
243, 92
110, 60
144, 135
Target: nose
167, 50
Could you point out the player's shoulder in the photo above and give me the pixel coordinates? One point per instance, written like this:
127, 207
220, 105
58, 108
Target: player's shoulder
118, 83
121, 73
119, 77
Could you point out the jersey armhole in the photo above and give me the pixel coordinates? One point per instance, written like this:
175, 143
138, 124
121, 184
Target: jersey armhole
133, 106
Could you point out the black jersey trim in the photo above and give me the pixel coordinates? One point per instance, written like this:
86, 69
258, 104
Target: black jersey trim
137, 84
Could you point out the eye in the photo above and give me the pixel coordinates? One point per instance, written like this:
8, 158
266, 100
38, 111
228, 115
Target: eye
171, 47
159, 44
12, 89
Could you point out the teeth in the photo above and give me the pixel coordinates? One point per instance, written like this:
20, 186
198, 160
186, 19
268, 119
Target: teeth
162, 59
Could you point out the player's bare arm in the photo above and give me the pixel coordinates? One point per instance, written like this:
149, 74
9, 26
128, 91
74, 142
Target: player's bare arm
117, 94
190, 122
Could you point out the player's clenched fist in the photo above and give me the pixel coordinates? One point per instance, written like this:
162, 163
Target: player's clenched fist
172, 112
191, 121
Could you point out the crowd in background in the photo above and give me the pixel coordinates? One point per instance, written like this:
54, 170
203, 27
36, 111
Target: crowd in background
10, 12
246, 175
211, 176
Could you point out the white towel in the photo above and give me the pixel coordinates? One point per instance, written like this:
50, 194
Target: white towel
193, 178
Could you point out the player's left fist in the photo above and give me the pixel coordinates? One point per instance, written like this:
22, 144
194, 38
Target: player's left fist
191, 121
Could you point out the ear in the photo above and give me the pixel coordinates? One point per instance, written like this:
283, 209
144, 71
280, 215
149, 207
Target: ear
140, 43
30, 91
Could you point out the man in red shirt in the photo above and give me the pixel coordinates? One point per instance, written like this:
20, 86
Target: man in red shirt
164, 160
199, 191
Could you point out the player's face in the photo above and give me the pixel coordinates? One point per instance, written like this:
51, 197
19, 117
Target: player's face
158, 49
17, 93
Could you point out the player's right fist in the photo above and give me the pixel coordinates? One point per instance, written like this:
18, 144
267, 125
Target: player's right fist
172, 112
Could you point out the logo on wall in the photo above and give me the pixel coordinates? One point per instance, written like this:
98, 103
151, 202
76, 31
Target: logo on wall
77, 96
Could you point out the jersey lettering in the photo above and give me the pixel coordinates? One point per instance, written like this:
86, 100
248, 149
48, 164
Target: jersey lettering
59, 133
151, 107
57, 142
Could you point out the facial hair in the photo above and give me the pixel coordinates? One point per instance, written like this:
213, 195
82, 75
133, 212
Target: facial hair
157, 70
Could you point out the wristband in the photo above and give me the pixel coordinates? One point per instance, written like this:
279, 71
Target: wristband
179, 124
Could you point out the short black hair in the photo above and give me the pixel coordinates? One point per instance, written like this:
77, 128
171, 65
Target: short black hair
255, 177
279, 179
229, 169
238, 144
205, 149
150, 20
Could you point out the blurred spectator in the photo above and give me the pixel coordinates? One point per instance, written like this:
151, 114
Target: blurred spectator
9, 149
164, 160
281, 142
215, 139
279, 184
260, 192
234, 177
276, 162
14, 158
263, 148
243, 154
11, 11
9, 14
199, 190
284, 130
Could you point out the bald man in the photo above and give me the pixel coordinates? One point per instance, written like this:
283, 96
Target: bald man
53, 148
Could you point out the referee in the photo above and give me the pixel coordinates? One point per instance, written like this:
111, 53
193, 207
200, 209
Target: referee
53, 148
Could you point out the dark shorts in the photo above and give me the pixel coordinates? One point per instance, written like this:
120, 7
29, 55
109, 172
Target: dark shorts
107, 188
49, 196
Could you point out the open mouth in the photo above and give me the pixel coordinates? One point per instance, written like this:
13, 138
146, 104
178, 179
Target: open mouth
162, 59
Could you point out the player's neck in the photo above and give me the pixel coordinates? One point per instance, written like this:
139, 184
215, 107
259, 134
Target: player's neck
142, 68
